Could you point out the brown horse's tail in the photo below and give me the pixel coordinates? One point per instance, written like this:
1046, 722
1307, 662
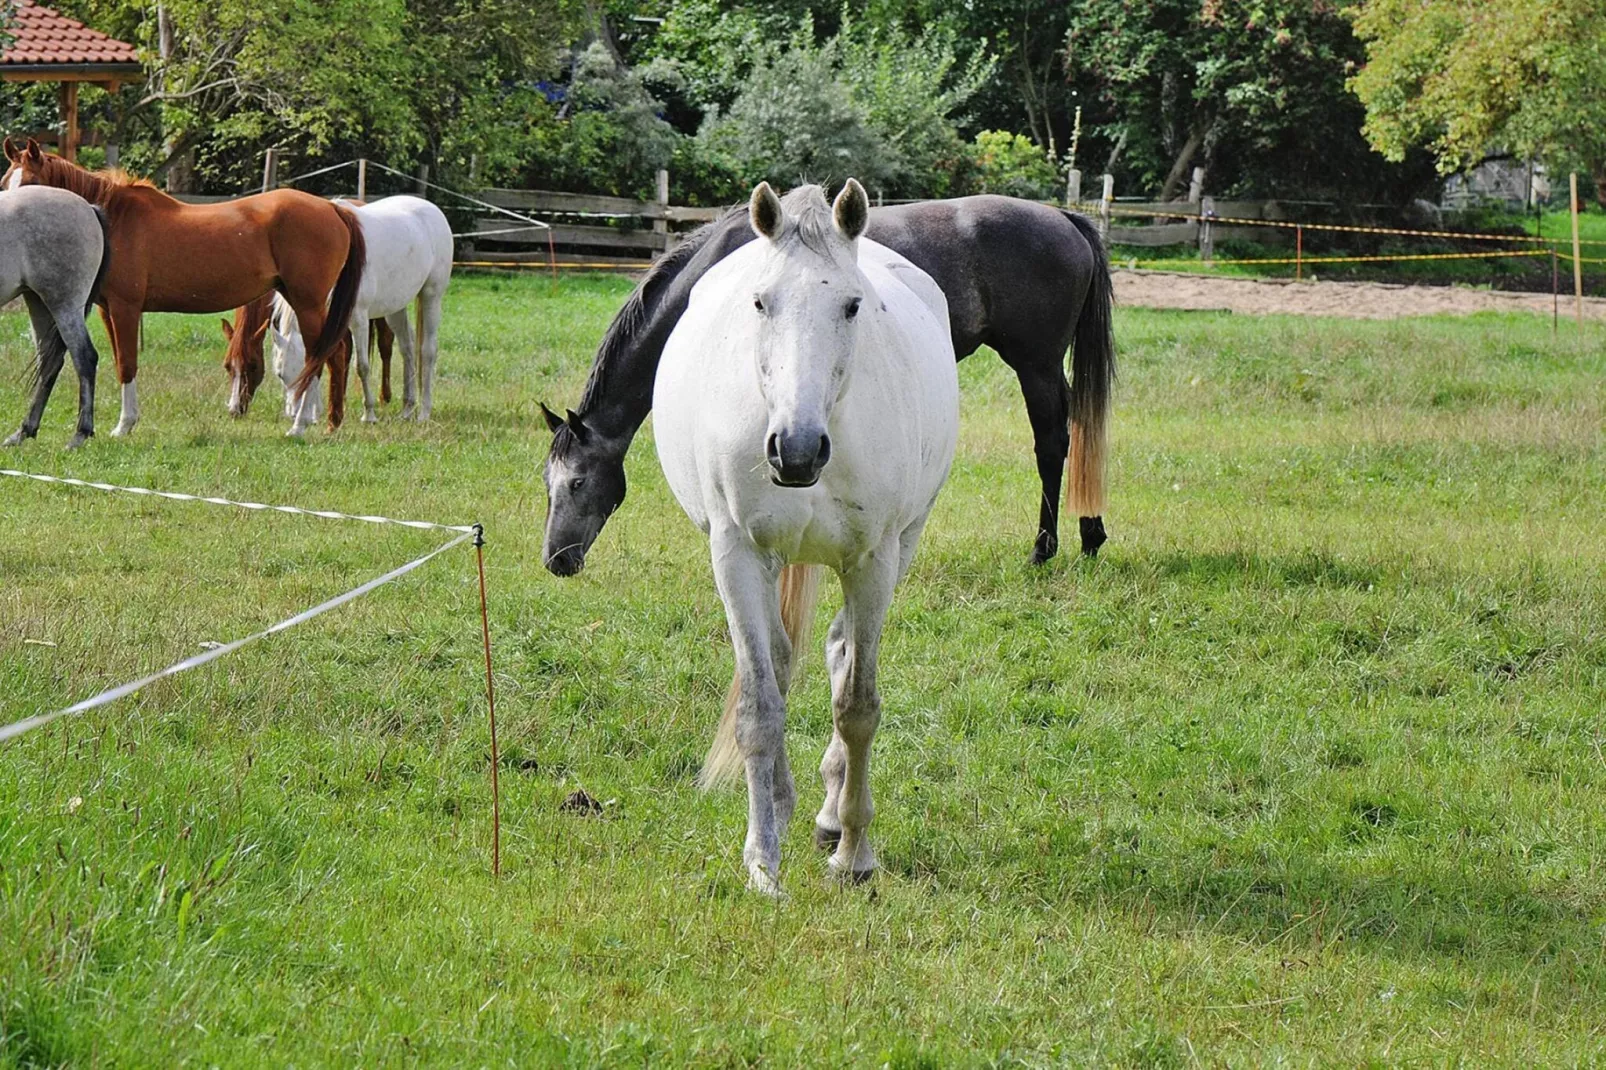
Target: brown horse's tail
105, 259
1092, 375
800, 593
342, 302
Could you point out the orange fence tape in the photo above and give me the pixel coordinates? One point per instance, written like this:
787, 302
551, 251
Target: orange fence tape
1096, 207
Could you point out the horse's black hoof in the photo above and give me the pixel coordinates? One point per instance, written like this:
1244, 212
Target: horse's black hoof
826, 839
1093, 535
860, 876
1044, 551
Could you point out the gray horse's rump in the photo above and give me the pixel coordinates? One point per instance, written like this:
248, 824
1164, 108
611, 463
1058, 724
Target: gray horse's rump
53, 250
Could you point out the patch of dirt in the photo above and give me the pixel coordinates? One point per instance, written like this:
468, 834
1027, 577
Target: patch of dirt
1356, 300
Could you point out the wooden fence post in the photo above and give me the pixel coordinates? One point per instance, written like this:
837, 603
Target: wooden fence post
362, 178
1073, 188
270, 170
661, 224
1207, 241
1104, 208
1578, 264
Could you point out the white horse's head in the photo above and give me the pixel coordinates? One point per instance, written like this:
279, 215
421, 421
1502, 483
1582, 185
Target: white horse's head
807, 298
289, 351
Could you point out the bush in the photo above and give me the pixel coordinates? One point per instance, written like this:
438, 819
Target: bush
1011, 165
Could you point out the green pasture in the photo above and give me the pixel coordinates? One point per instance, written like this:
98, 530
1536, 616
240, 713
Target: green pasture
1309, 767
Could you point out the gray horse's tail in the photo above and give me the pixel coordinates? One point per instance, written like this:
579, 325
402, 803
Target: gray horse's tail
105, 258
1092, 376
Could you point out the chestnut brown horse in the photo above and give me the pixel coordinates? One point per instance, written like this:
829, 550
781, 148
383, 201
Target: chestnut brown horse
244, 364
168, 256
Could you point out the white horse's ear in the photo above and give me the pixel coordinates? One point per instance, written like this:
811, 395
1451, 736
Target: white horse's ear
851, 210
765, 212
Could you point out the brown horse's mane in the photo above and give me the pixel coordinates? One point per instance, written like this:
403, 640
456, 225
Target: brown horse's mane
96, 187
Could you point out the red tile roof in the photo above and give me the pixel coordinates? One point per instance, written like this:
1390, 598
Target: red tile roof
42, 35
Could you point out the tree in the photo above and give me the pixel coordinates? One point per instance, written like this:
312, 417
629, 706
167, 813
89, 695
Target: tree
1468, 78
1252, 89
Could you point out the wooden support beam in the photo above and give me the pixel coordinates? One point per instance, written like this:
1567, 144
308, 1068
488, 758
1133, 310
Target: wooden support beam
69, 121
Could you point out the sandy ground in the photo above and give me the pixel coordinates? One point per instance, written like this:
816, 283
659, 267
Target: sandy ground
1359, 300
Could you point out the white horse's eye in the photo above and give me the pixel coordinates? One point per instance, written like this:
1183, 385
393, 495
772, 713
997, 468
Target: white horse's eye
853, 308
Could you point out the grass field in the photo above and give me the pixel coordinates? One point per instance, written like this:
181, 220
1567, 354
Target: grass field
1309, 767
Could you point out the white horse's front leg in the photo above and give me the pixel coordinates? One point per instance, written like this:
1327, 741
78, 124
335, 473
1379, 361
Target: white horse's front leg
856, 704
834, 765
747, 582
429, 316
359, 349
402, 327
307, 409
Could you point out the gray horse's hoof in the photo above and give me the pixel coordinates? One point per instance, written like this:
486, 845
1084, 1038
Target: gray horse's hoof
16, 439
826, 839
79, 439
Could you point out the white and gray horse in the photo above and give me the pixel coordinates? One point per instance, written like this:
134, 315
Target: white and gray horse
807, 408
409, 258
54, 252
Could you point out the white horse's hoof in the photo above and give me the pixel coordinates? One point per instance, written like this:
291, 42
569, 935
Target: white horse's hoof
296, 432
760, 880
370, 418
15, 439
121, 429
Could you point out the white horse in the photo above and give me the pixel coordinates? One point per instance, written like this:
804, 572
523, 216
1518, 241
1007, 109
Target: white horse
409, 258
807, 408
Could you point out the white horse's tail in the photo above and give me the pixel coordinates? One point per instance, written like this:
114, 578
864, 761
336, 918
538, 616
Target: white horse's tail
800, 593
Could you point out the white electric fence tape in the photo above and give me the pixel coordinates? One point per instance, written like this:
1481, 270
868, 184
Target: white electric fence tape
28, 724
325, 513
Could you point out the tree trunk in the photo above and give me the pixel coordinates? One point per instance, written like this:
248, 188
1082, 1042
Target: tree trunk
179, 165
1184, 161
1597, 171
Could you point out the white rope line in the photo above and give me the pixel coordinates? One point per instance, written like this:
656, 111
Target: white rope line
455, 193
28, 724
314, 174
327, 514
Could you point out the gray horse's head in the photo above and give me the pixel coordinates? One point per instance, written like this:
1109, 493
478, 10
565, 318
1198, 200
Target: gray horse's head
585, 483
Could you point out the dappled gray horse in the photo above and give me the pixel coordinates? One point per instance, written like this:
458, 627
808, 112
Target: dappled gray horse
1027, 279
53, 251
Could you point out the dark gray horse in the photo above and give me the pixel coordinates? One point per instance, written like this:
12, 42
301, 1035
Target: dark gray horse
54, 251
1024, 278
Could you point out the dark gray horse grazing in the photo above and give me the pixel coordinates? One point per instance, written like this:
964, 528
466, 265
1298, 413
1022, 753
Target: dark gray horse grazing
1024, 278
54, 251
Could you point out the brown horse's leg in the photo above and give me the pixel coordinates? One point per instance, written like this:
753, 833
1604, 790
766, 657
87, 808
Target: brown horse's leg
307, 302
387, 342
339, 372
122, 318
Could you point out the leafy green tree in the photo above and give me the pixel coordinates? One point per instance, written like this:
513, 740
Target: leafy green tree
1466, 79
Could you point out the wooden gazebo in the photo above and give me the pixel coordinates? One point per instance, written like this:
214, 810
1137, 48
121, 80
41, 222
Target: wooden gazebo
47, 46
